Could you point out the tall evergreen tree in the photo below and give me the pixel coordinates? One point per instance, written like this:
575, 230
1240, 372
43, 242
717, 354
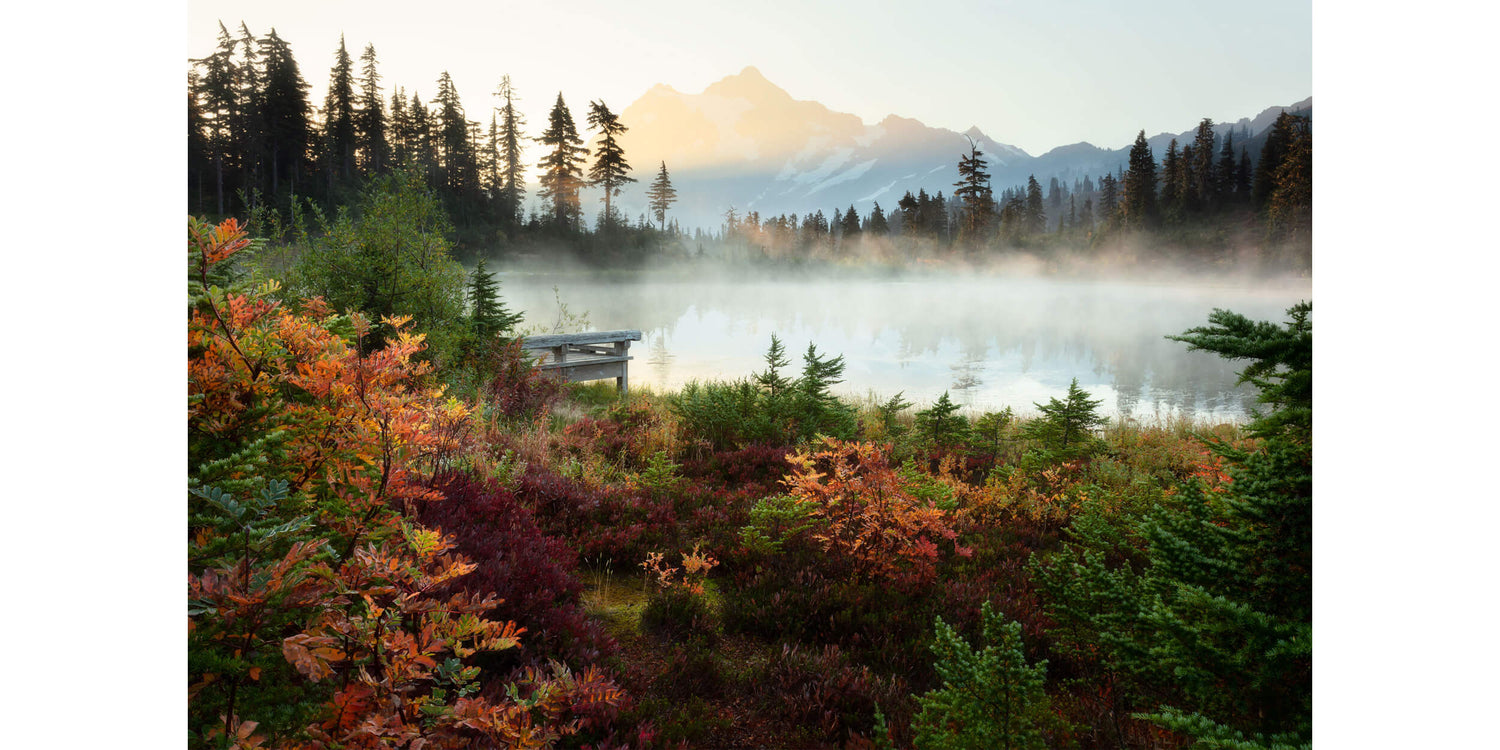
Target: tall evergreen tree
249, 121
456, 167
610, 170
850, 226
878, 224
513, 186
401, 150
661, 195
422, 144
1289, 211
220, 98
286, 112
1036, 212
562, 167
1271, 154
1224, 174
1109, 196
338, 117
369, 121
200, 163
1204, 181
1140, 186
973, 188
1173, 182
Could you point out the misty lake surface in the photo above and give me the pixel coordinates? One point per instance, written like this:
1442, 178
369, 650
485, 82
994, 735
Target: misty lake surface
989, 341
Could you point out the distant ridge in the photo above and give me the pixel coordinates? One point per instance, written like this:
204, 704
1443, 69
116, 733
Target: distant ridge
747, 143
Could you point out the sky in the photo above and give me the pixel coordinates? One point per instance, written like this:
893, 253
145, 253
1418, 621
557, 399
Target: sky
1032, 75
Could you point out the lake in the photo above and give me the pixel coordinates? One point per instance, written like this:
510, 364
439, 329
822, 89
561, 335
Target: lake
989, 341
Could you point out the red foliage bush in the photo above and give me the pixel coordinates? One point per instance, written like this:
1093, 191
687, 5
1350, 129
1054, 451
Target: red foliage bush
822, 688
756, 468
518, 390
535, 574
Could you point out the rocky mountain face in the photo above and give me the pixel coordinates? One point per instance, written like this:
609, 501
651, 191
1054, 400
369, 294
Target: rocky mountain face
745, 143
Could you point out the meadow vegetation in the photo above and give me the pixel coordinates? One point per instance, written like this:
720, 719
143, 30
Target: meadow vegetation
402, 535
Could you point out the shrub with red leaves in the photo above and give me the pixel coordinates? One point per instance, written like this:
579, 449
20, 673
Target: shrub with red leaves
757, 467
535, 574
517, 389
822, 688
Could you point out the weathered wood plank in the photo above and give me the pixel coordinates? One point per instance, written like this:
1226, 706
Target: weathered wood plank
580, 361
547, 341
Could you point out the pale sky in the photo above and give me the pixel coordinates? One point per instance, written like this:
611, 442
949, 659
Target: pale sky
1033, 75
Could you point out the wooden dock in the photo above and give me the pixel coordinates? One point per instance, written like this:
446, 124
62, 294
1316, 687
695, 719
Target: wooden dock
595, 355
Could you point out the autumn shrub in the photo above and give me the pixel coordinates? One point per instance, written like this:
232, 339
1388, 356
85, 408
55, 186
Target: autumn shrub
822, 688
677, 607
517, 390
317, 612
758, 467
534, 575
870, 514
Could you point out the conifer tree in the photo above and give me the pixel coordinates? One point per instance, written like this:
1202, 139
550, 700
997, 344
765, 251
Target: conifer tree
286, 112
878, 224
1109, 196
401, 126
562, 168
1270, 159
422, 144
220, 97
610, 170
973, 189
249, 119
661, 195
1066, 426
369, 121
199, 162
1036, 213
1204, 180
941, 424
457, 169
1289, 213
513, 187
1213, 628
850, 226
1224, 174
1173, 182
338, 117
990, 698
488, 316
1140, 186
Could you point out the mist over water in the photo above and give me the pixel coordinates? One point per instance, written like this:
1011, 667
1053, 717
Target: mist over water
990, 341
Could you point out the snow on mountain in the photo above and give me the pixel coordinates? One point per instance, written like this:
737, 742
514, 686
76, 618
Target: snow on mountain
746, 143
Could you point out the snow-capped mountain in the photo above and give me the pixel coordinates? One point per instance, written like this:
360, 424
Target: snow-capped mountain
746, 143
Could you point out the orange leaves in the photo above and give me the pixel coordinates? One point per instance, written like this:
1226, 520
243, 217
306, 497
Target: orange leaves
695, 567
870, 516
312, 655
215, 243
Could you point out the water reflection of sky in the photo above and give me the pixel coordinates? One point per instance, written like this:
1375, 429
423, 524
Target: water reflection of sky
989, 342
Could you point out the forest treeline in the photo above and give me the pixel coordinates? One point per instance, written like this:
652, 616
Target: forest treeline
258, 148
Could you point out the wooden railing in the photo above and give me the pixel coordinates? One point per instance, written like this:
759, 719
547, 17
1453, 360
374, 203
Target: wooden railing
595, 355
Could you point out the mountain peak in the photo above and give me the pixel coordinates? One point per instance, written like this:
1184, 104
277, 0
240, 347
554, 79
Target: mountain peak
974, 132
747, 84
